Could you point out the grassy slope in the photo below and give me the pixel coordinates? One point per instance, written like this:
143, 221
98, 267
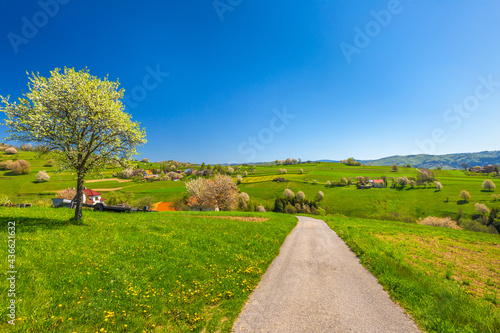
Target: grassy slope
160, 272
448, 280
378, 203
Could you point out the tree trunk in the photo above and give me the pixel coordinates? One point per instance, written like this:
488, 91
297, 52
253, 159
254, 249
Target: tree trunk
79, 198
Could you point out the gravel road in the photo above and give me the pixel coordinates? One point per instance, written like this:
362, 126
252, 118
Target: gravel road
317, 284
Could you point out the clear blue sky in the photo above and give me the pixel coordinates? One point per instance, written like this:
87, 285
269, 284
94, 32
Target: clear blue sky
355, 78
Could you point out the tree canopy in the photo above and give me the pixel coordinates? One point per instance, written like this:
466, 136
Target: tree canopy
77, 116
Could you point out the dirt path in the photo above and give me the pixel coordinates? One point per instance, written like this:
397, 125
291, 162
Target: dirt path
317, 284
108, 179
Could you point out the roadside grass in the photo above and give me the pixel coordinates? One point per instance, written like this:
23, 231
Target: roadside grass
448, 280
135, 272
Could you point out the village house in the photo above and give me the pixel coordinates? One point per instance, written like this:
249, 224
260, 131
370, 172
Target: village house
378, 183
92, 197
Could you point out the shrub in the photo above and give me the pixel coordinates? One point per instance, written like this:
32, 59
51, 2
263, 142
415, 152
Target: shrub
119, 198
42, 176
319, 196
145, 160
495, 197
343, 181
438, 186
465, 195
488, 185
4, 199
482, 208
244, 196
320, 211
245, 174
477, 227
395, 167
289, 209
20, 167
328, 183
11, 151
50, 162
284, 171
147, 201
5, 165
239, 179
261, 209
301, 171
42, 202
288, 193
230, 170
301, 195
279, 179
446, 222
314, 181
68, 193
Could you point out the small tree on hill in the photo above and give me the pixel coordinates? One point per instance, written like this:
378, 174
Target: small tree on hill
465, 195
11, 151
438, 186
488, 185
288, 193
42, 176
77, 116
482, 208
395, 167
319, 196
301, 195
20, 167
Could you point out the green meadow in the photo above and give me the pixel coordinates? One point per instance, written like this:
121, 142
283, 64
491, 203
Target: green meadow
383, 203
142, 272
448, 280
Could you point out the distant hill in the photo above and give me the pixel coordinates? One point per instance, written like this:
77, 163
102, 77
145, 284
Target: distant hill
448, 161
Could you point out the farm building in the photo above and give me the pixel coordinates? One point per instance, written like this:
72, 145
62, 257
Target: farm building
378, 183
92, 197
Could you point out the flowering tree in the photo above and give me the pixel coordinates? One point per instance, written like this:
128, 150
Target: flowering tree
288, 193
301, 195
77, 116
42, 176
465, 195
218, 193
320, 196
488, 185
438, 186
482, 208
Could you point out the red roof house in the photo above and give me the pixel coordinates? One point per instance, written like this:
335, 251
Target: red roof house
92, 197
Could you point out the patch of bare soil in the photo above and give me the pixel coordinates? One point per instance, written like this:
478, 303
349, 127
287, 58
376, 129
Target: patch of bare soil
241, 218
108, 179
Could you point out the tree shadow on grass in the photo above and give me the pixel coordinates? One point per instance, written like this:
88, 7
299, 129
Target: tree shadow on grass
462, 202
30, 224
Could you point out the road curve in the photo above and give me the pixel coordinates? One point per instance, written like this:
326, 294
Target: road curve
317, 284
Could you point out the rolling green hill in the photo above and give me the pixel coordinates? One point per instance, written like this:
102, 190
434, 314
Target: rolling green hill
448, 161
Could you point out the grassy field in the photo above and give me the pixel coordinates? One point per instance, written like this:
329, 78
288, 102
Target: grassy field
448, 280
385, 203
151, 272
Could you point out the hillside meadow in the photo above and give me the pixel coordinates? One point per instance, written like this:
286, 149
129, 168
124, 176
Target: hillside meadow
447, 280
384, 203
152, 272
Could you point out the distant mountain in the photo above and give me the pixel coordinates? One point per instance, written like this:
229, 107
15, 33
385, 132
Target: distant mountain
448, 161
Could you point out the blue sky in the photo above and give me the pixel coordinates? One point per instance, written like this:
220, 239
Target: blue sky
242, 81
